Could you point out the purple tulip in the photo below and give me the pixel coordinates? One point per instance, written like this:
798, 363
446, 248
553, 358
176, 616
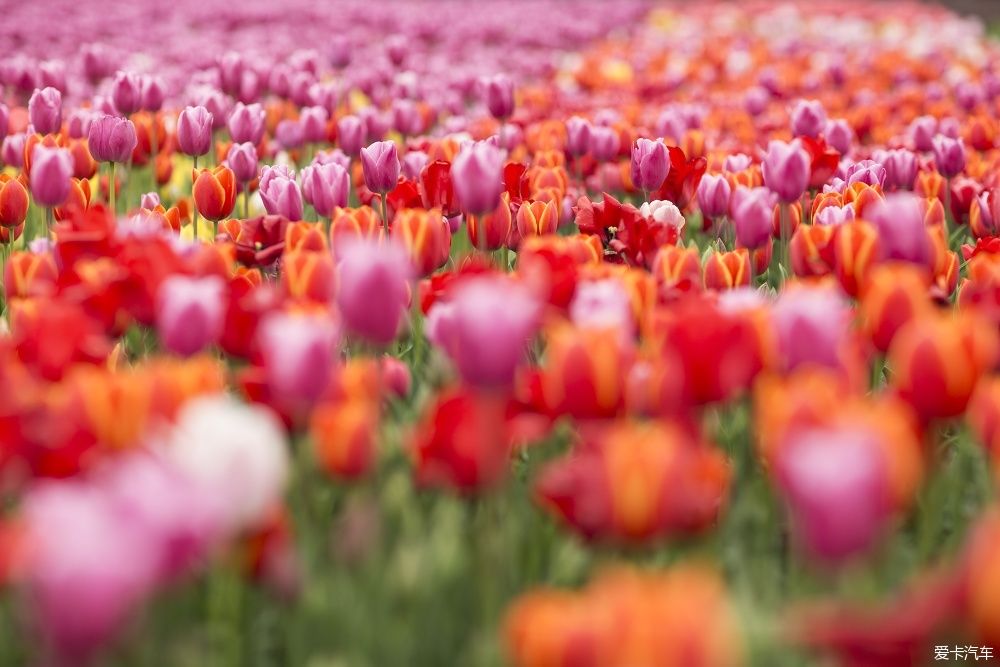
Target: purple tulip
380, 164
45, 110
650, 164
808, 119
289, 134
406, 118
149, 201
111, 139
335, 156
714, 193
786, 170
351, 134
499, 96
577, 136
902, 232
190, 313
413, 164
246, 123
325, 187
604, 143
485, 328
300, 356
242, 159
280, 193
219, 106
840, 135
835, 482
126, 92
868, 172
477, 175
373, 294
752, 216
51, 170
194, 131
949, 155
313, 122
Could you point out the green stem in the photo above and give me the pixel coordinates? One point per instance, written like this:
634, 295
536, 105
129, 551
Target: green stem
385, 212
111, 190
194, 204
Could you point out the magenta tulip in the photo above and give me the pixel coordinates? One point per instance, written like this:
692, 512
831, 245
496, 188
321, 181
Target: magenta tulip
194, 131
280, 193
380, 164
786, 170
51, 170
111, 139
45, 110
325, 187
650, 164
373, 293
477, 174
300, 356
190, 313
246, 123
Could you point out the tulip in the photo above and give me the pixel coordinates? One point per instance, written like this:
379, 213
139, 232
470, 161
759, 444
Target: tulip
477, 175
351, 134
835, 482
811, 326
425, 235
13, 201
326, 187
604, 143
577, 136
280, 193
485, 328
937, 361
895, 294
949, 155
373, 293
537, 218
498, 225
214, 192
714, 193
216, 436
380, 164
868, 172
406, 117
922, 132
194, 131
500, 96
347, 223
728, 270
111, 139
808, 118
603, 304
246, 123
189, 315
289, 134
313, 122
676, 270
300, 355
902, 234
650, 164
149, 200
242, 159
344, 436
900, 168
45, 110
4, 120
786, 170
152, 95
413, 163
752, 214
126, 93
51, 170
839, 135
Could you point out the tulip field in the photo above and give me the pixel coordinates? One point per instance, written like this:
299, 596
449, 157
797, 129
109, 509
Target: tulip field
559, 333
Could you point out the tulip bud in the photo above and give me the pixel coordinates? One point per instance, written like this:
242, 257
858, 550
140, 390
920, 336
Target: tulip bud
280, 193
246, 123
351, 134
949, 155
126, 93
808, 118
902, 233
577, 136
373, 292
149, 201
111, 139
604, 143
812, 326
650, 164
152, 93
752, 215
194, 131
190, 312
477, 175
13, 201
12, 150
839, 135
380, 164
242, 159
500, 96
51, 170
325, 187
786, 170
299, 354
425, 235
214, 192
727, 270
922, 131
45, 110
714, 194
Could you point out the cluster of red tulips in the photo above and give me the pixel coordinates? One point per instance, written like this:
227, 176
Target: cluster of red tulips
548, 334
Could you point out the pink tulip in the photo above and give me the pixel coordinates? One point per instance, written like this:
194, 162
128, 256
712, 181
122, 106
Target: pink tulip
477, 174
51, 169
808, 118
246, 123
300, 356
126, 92
153, 93
714, 193
194, 131
380, 164
922, 131
45, 110
949, 155
485, 328
812, 326
373, 293
12, 150
351, 134
280, 193
500, 96
840, 135
242, 159
786, 170
835, 483
603, 304
190, 313
902, 232
313, 122
752, 216
112, 139
325, 187
650, 164
577, 136
604, 143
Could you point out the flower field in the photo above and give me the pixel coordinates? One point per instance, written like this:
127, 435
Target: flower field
541, 334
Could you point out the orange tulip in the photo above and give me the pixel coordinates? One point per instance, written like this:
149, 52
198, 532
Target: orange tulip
727, 270
79, 198
497, 225
308, 276
855, 252
351, 222
537, 218
214, 192
13, 200
425, 235
676, 269
344, 436
894, 294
